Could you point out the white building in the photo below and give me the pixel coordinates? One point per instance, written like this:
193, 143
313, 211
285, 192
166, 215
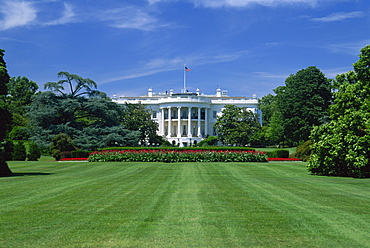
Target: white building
187, 118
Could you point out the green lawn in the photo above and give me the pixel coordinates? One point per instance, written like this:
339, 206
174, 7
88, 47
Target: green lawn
76, 204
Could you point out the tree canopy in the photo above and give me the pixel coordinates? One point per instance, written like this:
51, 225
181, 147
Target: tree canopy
299, 105
136, 117
4, 114
91, 120
342, 146
77, 86
236, 125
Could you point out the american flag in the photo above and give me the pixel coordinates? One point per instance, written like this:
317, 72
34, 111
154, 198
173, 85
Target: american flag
187, 69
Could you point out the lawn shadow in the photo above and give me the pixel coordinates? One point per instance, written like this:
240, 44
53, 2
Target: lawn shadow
22, 174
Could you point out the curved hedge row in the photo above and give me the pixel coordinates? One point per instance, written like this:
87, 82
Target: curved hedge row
173, 156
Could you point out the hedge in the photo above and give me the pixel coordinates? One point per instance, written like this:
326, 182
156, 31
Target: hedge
172, 156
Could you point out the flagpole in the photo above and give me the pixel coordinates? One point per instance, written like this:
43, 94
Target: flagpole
184, 90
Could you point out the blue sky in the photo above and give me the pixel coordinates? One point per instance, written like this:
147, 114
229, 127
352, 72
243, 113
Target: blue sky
127, 46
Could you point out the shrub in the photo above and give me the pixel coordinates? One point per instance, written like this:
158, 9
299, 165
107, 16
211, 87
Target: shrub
303, 151
209, 141
19, 152
171, 156
280, 153
61, 145
80, 154
34, 152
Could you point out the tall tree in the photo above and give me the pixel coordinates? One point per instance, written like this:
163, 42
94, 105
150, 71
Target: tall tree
236, 125
136, 117
77, 86
4, 113
20, 92
85, 115
303, 103
342, 146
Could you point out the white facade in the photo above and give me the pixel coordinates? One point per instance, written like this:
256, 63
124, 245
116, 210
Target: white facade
187, 118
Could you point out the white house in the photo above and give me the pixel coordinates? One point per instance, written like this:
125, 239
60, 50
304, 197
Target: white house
187, 118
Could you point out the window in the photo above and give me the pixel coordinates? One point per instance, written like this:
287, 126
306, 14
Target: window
154, 114
214, 114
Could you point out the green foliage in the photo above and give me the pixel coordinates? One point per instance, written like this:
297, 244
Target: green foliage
61, 143
5, 117
136, 117
173, 156
34, 152
80, 154
299, 105
18, 133
279, 153
219, 148
303, 151
268, 107
77, 86
19, 151
236, 125
90, 122
20, 92
209, 141
342, 146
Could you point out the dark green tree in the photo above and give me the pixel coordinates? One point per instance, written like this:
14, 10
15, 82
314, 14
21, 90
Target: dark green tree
236, 125
91, 120
76, 86
4, 115
34, 152
19, 152
20, 92
303, 103
342, 146
136, 117
61, 143
267, 105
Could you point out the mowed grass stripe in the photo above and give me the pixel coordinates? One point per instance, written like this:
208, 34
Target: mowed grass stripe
181, 205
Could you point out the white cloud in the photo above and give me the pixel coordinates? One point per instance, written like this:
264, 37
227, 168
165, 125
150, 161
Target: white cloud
16, 14
68, 16
340, 16
348, 48
131, 17
159, 65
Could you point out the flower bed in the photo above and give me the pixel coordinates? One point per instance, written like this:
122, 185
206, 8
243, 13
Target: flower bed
172, 156
74, 159
283, 159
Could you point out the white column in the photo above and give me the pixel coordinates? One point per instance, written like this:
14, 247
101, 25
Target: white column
178, 122
205, 122
189, 122
162, 122
199, 134
169, 122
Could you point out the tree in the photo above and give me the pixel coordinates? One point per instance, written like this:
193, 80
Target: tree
5, 115
77, 85
236, 125
136, 117
342, 146
267, 105
303, 103
20, 92
91, 120
61, 143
